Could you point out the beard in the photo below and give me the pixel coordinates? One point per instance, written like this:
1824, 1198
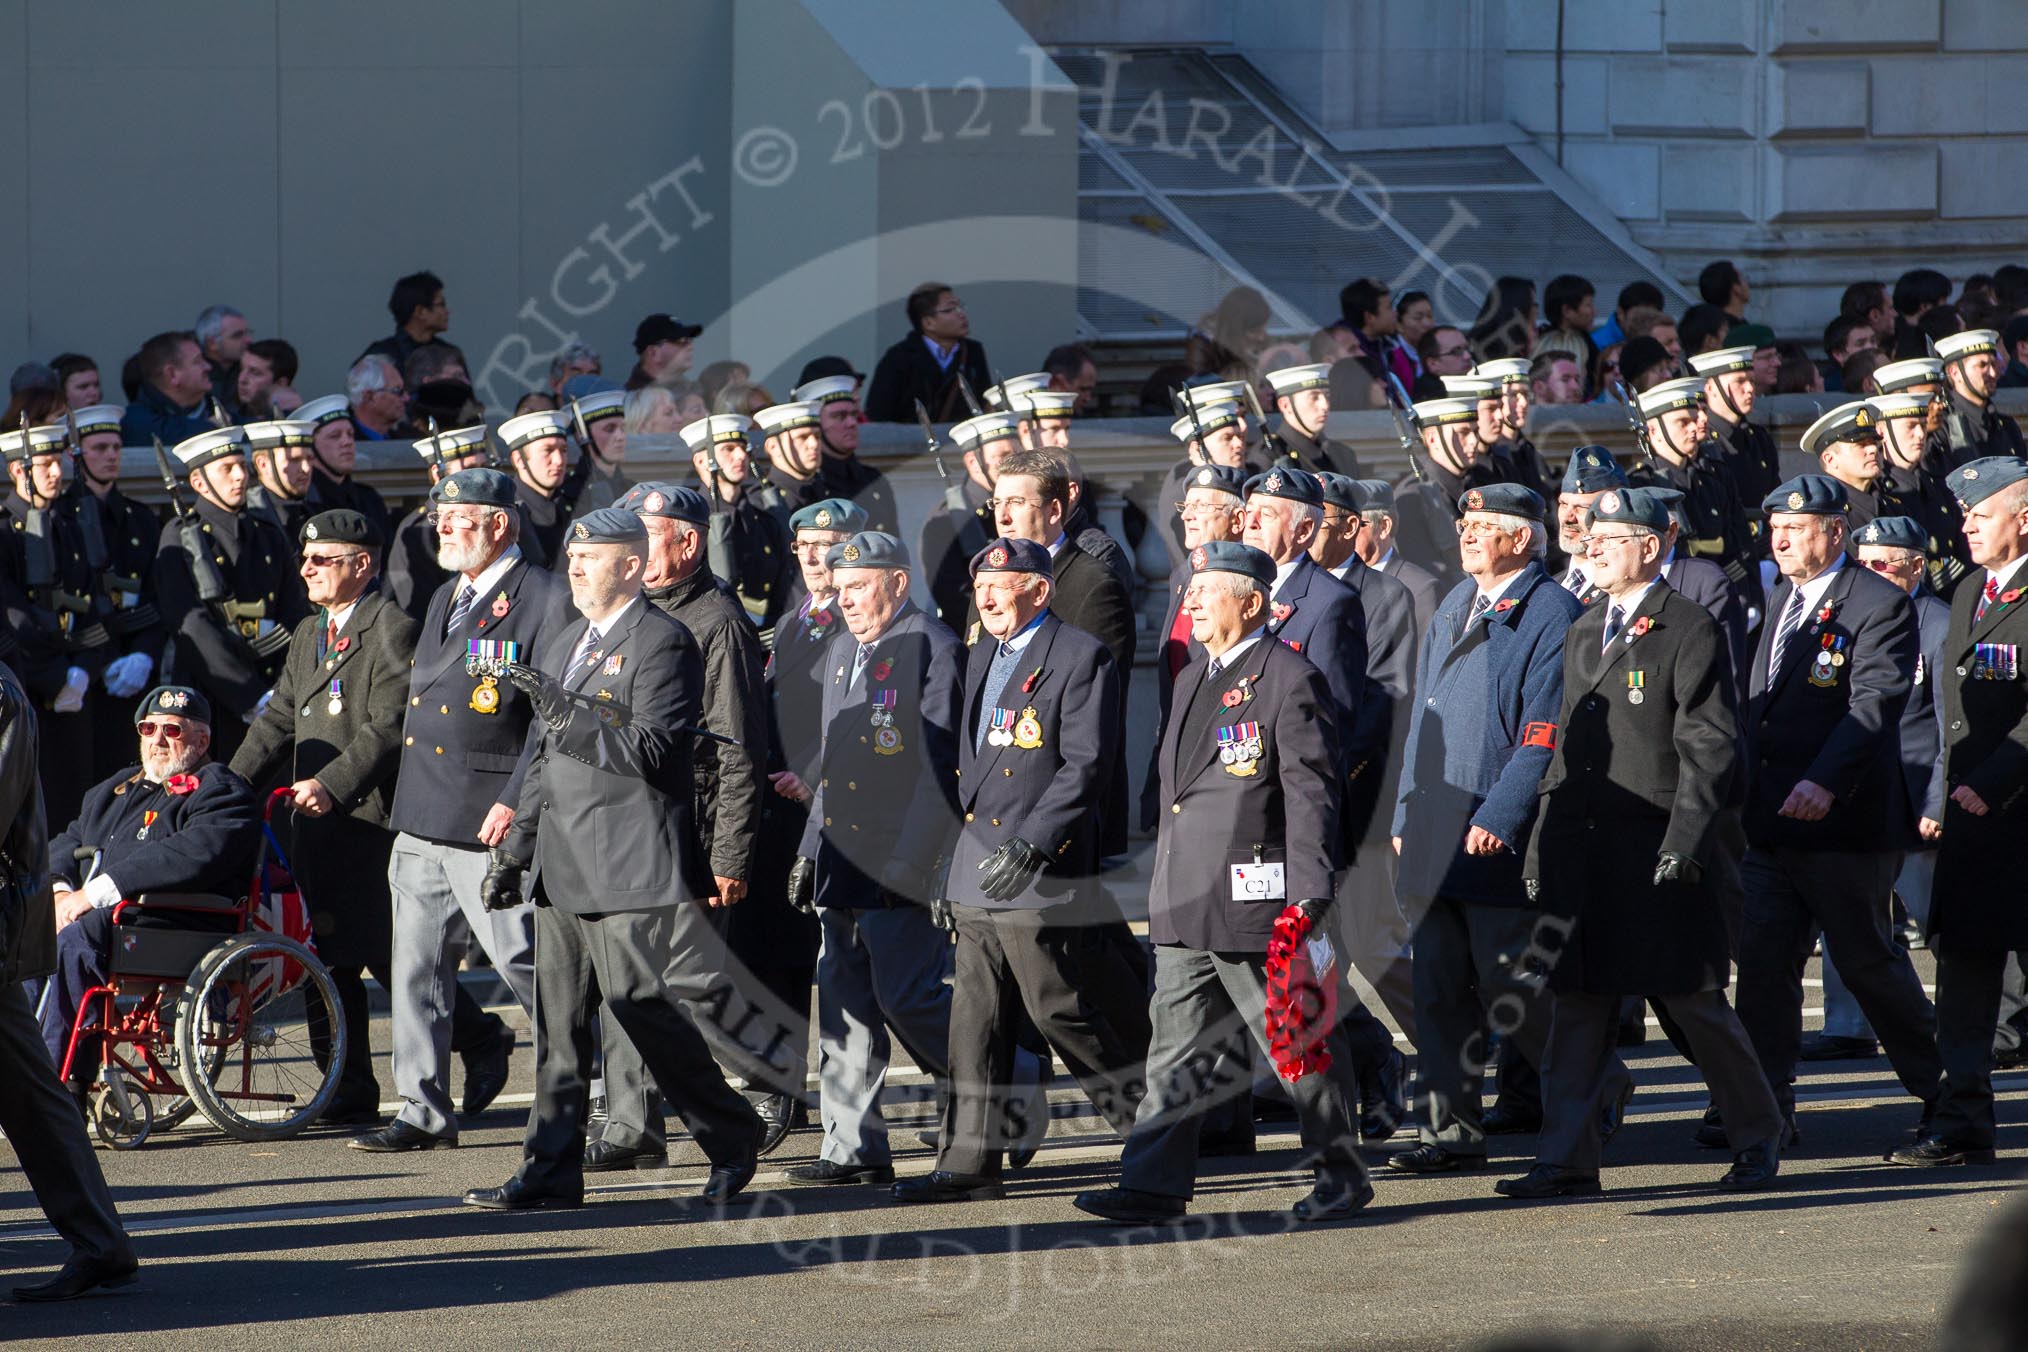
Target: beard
178, 758
458, 556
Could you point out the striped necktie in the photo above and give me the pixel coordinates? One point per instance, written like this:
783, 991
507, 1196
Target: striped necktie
461, 606
1792, 620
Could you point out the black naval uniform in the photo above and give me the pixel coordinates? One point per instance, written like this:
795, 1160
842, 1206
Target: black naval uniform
56, 607
231, 649
328, 493
949, 543
1921, 495
750, 547
1970, 431
1749, 454
1426, 517
285, 514
1720, 529
853, 479
544, 519
1516, 461
1318, 454
130, 533
412, 574
1647, 762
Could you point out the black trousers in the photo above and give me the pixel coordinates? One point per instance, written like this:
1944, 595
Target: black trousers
1969, 975
1015, 962
48, 1136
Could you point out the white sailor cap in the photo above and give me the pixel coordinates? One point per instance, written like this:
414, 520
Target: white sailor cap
973, 433
782, 417
1854, 421
1210, 418
98, 418
716, 430
1723, 361
1049, 403
826, 388
598, 407
1295, 379
18, 444
1506, 370
537, 426
1217, 391
205, 447
1686, 392
1901, 404
1898, 376
266, 436
327, 409
455, 444
1970, 343
1471, 387
1012, 388
1456, 409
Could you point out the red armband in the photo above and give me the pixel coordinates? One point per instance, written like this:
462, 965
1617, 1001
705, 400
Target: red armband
1539, 734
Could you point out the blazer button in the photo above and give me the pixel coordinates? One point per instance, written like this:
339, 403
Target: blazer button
996, 821
827, 821
970, 817
1961, 671
443, 708
1957, 724
408, 741
852, 784
1007, 772
440, 751
1175, 807
862, 741
417, 701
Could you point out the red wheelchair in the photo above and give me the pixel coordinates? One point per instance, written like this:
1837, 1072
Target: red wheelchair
212, 1005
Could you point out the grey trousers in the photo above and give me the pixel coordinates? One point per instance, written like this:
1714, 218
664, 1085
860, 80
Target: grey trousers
48, 1136
1577, 1068
1209, 1006
436, 914
753, 1034
612, 965
1842, 1015
877, 969
1788, 892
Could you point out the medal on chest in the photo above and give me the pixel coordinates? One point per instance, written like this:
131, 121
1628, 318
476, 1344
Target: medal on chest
1239, 749
147, 820
1636, 683
881, 708
1002, 731
337, 703
1829, 657
1028, 731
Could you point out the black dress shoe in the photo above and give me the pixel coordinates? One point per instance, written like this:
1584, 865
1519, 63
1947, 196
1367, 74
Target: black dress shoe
777, 1115
514, 1195
1383, 1105
398, 1136
1752, 1169
1830, 1047
1936, 1153
1502, 1122
832, 1172
80, 1275
1129, 1206
1226, 1144
943, 1186
1613, 1115
1548, 1180
1431, 1158
1331, 1201
486, 1072
1712, 1134
603, 1157
728, 1180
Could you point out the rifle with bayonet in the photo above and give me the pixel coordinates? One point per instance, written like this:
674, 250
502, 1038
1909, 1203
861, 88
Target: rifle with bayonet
578, 477
968, 532
1276, 445
1406, 427
1640, 425
88, 523
971, 397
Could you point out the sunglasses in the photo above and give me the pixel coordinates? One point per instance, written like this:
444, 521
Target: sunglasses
173, 731
324, 560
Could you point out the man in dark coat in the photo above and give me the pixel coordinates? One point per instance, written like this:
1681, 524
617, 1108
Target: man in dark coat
1826, 814
925, 366
1913, 486
334, 451
413, 574
1375, 547
1635, 849
1303, 398
1251, 780
1720, 528
1745, 447
41, 1122
1041, 701
1975, 917
281, 493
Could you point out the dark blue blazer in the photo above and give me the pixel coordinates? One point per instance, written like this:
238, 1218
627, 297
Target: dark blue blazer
1320, 617
1482, 730
1921, 730
1704, 582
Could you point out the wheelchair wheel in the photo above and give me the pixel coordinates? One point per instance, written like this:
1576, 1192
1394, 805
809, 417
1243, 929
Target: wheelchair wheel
122, 1116
176, 1111
250, 1009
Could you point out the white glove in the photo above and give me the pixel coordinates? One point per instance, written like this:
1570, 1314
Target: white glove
261, 707
71, 698
128, 676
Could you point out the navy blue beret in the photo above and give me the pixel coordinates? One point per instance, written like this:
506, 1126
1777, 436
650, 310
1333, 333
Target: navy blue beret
1592, 469
608, 526
673, 501
1631, 507
1224, 478
1340, 491
1286, 481
1980, 479
1375, 495
1808, 494
1230, 556
1013, 556
1507, 499
868, 549
830, 514
1895, 532
478, 487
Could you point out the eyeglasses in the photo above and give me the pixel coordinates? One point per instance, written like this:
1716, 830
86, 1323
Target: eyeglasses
454, 520
1891, 562
1459, 351
956, 307
324, 560
1589, 540
149, 727
1480, 528
1190, 511
1011, 504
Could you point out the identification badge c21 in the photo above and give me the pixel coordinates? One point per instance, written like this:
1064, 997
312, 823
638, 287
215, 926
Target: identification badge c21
1260, 882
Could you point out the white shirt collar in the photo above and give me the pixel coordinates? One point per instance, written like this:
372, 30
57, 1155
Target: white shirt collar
1343, 568
1058, 545
2008, 573
613, 622
1813, 590
1282, 572
1026, 635
1629, 604
490, 577
337, 618
1380, 564
1504, 586
1234, 653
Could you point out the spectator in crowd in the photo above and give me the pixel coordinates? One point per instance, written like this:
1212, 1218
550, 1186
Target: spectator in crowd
1071, 367
925, 365
451, 402
572, 359
652, 410
379, 399
174, 387
1643, 322
744, 398
1856, 375
1633, 296
1556, 376
1506, 323
1238, 325
79, 376
262, 366
1571, 302
421, 315
1644, 364
1443, 351
32, 390
1842, 337
1723, 285
1703, 329
535, 401
664, 349
1916, 293
1938, 322
1979, 302
1414, 315
715, 378
435, 361
1369, 317
2010, 286
1766, 361
1795, 373
2014, 351
1606, 375
1867, 303
223, 333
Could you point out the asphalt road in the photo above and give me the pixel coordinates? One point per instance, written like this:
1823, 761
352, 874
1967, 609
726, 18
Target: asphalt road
306, 1244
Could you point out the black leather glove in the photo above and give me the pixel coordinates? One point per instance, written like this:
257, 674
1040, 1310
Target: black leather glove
1006, 873
940, 914
544, 692
803, 884
1314, 907
1671, 867
501, 891
1533, 887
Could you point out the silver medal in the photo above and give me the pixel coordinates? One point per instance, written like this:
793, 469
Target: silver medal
1635, 696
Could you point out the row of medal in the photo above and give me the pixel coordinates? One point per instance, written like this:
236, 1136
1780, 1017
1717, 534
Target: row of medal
1008, 730
1240, 748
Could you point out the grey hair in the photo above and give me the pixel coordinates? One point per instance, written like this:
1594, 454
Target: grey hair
1372, 514
642, 403
1237, 585
1538, 538
211, 323
569, 356
369, 374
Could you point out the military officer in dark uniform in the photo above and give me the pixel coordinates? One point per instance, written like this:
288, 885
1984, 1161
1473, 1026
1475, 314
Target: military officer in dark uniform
1425, 508
605, 824
1303, 398
1215, 436
1637, 847
538, 453
962, 524
1971, 426
1915, 375
227, 586
843, 473
1745, 448
794, 445
1591, 471
1376, 549
413, 573
457, 794
1673, 413
280, 493
748, 540
1913, 486
727, 783
1040, 716
1251, 780
1826, 815
1975, 917
56, 611
1704, 582
130, 533
1516, 457
41, 1123
1846, 443
334, 450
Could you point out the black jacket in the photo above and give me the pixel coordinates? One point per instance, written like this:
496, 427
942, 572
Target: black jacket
27, 910
257, 564
908, 372
1984, 698
158, 838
